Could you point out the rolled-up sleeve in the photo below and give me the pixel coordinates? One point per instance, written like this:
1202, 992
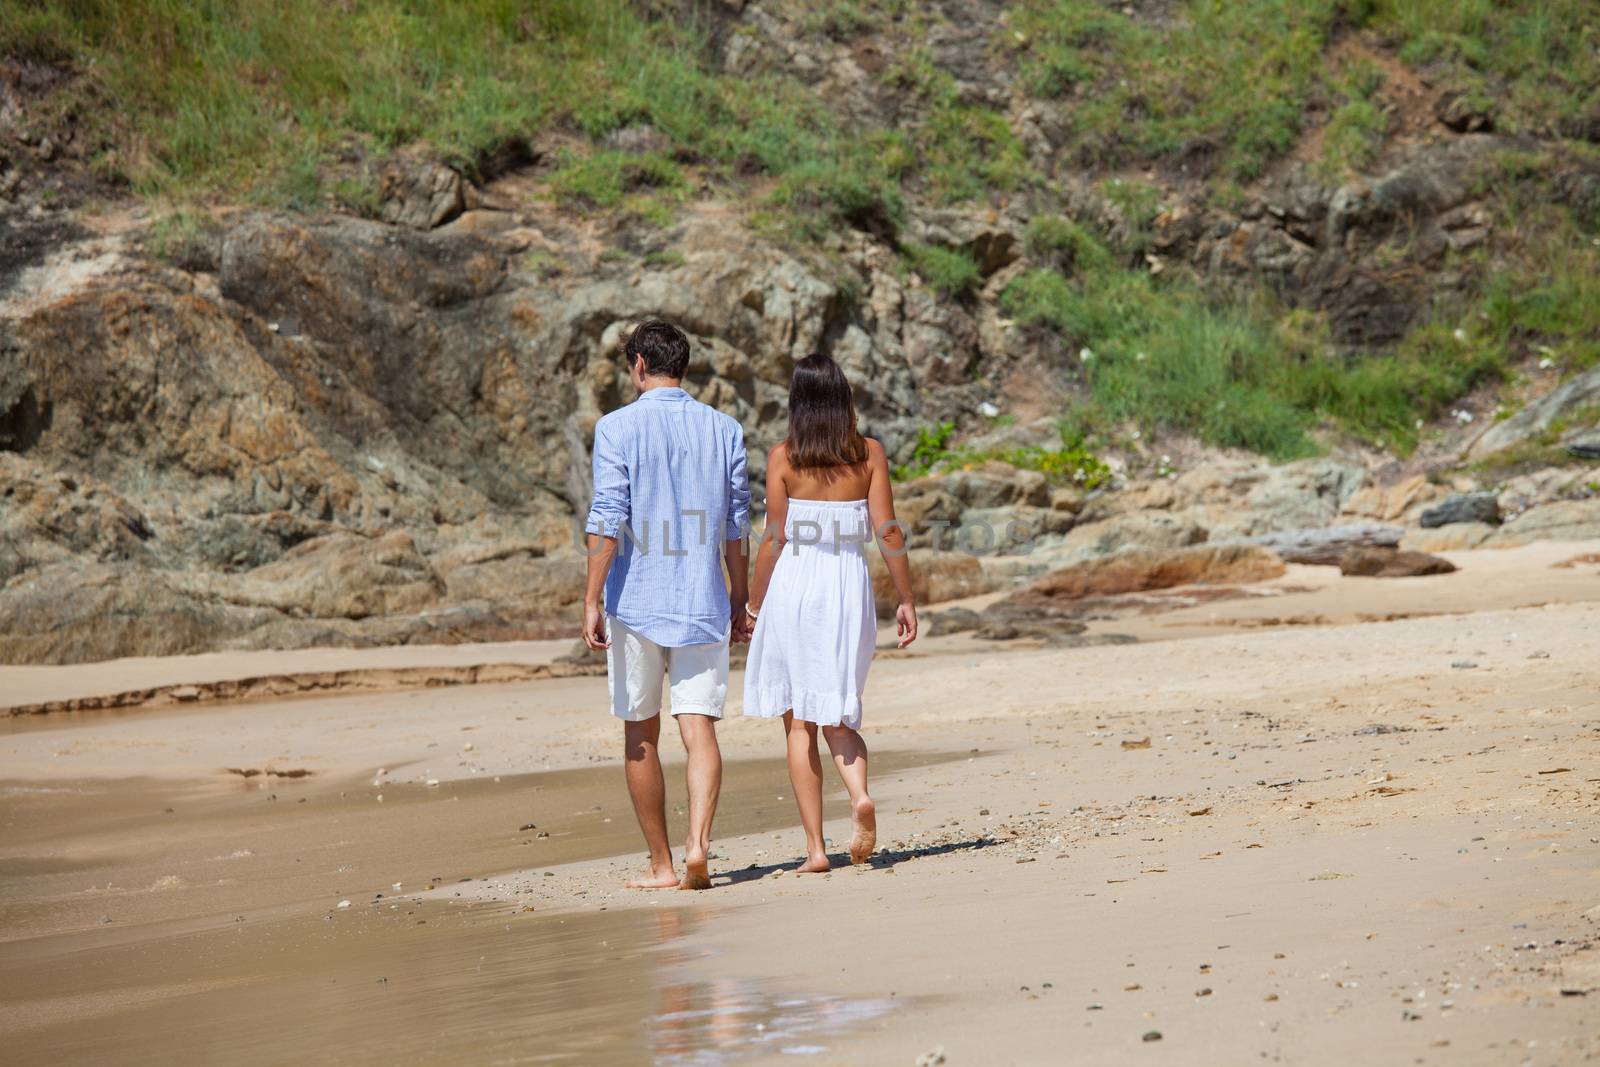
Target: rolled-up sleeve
738, 489
609, 509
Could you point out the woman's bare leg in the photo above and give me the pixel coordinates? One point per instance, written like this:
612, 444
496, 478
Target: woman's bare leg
805, 775
850, 757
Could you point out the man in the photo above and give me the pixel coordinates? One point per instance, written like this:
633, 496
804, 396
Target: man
670, 504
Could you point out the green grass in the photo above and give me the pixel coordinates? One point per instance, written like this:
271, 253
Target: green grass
1165, 354
233, 94
220, 99
1064, 243
640, 185
1356, 129
1239, 75
1235, 75
967, 151
950, 272
1072, 463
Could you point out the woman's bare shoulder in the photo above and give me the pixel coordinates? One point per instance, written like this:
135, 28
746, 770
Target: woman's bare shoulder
778, 455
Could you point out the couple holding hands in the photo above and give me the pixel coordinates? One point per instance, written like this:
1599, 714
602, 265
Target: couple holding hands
665, 596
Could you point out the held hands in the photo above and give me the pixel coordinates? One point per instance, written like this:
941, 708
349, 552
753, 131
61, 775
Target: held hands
905, 622
742, 625
594, 628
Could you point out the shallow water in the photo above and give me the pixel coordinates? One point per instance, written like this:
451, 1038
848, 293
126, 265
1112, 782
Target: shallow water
146, 921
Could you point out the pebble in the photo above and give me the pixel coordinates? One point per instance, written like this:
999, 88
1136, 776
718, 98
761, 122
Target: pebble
344, 903
1463, 665
931, 1058
1151, 1035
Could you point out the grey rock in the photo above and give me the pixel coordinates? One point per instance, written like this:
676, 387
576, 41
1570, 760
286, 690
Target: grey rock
420, 194
1463, 507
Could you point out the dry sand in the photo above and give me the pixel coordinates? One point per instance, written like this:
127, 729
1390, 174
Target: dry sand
1340, 841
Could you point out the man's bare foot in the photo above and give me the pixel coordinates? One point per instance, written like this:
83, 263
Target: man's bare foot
658, 878
815, 865
699, 873
865, 836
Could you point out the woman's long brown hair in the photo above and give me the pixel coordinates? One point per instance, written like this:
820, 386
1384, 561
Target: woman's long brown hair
822, 417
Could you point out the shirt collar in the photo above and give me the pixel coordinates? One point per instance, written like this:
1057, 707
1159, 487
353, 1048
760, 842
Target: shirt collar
667, 392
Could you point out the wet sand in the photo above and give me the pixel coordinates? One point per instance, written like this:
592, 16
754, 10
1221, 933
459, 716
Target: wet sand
1339, 841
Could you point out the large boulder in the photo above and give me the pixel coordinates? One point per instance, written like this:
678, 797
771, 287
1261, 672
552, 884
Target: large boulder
1391, 563
1327, 546
1140, 570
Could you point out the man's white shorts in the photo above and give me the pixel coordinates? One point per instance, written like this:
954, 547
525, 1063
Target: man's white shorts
636, 668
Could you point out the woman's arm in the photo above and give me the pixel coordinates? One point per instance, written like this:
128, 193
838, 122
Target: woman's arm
772, 536
891, 540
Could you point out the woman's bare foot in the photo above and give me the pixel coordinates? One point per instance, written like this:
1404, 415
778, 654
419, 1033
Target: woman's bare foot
865, 836
658, 878
699, 872
815, 865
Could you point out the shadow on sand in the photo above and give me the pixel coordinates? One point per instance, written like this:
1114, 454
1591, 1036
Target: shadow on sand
881, 860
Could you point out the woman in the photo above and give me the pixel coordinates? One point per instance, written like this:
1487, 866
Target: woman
811, 600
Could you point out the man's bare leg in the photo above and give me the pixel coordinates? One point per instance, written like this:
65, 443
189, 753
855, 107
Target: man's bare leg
699, 733
850, 756
805, 775
648, 788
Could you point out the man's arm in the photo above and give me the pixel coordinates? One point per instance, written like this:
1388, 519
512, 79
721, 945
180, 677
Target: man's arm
602, 550
609, 511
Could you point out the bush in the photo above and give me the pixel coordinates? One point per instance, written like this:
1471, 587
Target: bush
949, 272
1071, 463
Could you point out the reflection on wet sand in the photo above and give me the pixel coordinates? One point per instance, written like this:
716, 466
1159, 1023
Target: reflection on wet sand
722, 1019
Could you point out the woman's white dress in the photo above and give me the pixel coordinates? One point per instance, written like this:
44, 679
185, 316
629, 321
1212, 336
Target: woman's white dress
813, 641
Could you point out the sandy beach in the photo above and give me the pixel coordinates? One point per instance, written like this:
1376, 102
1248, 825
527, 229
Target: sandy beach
1330, 818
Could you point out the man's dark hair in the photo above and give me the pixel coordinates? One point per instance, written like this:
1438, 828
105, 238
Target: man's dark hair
662, 346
